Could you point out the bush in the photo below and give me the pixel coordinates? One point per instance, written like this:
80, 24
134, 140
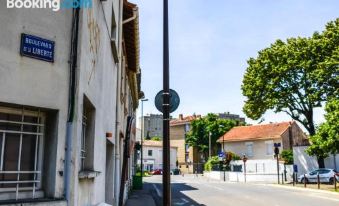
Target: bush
211, 162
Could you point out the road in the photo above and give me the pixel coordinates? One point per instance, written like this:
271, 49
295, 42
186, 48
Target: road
191, 190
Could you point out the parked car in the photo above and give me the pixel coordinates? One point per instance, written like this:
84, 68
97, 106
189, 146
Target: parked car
325, 175
157, 172
175, 171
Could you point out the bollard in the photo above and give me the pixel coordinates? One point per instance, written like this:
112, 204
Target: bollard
318, 180
282, 178
335, 182
304, 180
293, 179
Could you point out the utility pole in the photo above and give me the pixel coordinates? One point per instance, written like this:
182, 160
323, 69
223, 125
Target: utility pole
166, 178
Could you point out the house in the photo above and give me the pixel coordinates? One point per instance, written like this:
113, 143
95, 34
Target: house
69, 89
189, 158
257, 141
152, 155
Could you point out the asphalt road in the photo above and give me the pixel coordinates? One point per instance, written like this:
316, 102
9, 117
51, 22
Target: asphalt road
191, 190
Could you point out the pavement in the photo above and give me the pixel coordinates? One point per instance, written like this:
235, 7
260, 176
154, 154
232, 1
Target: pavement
200, 191
140, 197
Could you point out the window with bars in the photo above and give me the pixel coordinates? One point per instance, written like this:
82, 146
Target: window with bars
21, 147
87, 136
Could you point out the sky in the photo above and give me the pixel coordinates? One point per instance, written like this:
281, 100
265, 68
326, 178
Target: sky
210, 43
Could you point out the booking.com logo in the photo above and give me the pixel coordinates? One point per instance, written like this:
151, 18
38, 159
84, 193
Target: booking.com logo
55, 5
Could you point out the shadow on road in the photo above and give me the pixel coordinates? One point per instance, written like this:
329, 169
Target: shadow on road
178, 197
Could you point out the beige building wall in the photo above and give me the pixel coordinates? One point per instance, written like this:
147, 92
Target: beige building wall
259, 148
177, 138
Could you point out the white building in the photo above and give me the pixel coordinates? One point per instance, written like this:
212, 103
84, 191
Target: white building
68, 92
152, 155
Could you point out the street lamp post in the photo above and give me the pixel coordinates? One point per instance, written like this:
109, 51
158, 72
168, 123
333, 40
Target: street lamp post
142, 136
209, 144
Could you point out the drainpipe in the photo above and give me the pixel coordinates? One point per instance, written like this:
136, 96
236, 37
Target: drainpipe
117, 113
71, 103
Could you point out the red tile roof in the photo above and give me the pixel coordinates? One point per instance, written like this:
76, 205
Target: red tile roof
183, 120
255, 132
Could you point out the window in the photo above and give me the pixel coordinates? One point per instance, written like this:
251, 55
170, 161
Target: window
249, 149
269, 147
21, 143
150, 152
87, 136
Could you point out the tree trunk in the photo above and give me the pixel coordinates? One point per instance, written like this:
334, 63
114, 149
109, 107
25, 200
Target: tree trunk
321, 162
311, 130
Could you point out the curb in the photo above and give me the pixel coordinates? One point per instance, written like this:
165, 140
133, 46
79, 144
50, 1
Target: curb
302, 189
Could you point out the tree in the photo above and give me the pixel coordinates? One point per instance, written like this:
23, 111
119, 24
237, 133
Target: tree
294, 77
287, 156
326, 140
200, 129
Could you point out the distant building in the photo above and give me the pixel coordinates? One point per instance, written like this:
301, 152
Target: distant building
189, 158
227, 115
151, 125
257, 141
152, 155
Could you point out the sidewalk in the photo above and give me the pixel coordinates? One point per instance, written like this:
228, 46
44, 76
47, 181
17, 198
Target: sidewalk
140, 197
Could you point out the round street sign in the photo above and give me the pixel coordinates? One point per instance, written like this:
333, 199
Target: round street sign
174, 100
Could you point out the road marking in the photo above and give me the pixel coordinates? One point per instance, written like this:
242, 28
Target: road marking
157, 190
326, 198
185, 200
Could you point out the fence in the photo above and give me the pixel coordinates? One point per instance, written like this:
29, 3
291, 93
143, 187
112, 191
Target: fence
256, 171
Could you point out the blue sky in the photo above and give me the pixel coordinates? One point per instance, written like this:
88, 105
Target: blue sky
210, 43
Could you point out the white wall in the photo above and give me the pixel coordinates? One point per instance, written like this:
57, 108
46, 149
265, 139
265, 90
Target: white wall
157, 156
31, 82
306, 163
259, 148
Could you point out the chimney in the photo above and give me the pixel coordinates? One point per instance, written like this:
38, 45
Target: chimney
181, 117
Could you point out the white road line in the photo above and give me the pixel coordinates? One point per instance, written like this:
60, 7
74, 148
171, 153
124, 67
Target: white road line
185, 200
157, 190
326, 198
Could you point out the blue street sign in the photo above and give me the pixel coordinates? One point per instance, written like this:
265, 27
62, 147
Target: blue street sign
277, 144
295, 168
37, 48
174, 100
221, 154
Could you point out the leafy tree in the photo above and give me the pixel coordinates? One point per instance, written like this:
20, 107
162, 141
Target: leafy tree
326, 140
287, 156
201, 128
294, 77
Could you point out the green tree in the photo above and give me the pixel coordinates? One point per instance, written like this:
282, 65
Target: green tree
287, 156
201, 128
294, 77
326, 140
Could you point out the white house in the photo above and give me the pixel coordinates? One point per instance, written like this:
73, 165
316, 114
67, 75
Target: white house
256, 141
152, 155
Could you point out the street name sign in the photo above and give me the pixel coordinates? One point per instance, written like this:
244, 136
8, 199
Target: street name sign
37, 48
